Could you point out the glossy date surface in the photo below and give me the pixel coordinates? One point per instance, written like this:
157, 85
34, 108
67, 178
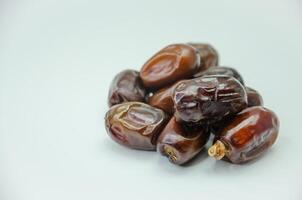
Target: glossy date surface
248, 135
208, 98
163, 99
208, 55
253, 97
126, 86
172, 63
180, 144
228, 71
135, 125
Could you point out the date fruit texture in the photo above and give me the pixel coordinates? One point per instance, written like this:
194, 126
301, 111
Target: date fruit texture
134, 124
208, 98
179, 98
163, 99
253, 97
247, 137
228, 71
208, 55
125, 87
180, 144
172, 63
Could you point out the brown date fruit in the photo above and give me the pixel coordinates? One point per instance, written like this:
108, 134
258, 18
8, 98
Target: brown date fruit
248, 136
126, 86
181, 144
135, 124
208, 55
163, 99
172, 63
253, 97
228, 71
208, 98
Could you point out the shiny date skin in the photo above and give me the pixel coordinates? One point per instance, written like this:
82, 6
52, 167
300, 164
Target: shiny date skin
208, 98
126, 86
228, 71
247, 136
180, 144
135, 125
208, 55
163, 99
253, 97
172, 63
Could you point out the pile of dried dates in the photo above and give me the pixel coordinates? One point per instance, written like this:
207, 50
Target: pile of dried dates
179, 98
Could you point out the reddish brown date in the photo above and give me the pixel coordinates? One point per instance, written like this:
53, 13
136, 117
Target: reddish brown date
208, 98
163, 99
181, 144
228, 71
172, 63
208, 55
135, 125
248, 136
253, 97
126, 86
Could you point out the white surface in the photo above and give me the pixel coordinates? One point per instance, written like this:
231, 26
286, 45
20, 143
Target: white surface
57, 59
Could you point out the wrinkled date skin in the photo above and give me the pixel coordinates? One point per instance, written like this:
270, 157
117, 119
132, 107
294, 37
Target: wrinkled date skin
248, 136
135, 125
228, 71
253, 97
208, 98
181, 144
172, 63
163, 99
208, 55
126, 86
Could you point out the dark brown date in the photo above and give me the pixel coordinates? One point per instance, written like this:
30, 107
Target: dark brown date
248, 136
208, 55
172, 63
253, 97
228, 71
208, 98
163, 99
181, 144
126, 86
135, 125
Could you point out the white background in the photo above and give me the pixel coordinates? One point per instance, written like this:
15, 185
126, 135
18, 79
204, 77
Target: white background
57, 59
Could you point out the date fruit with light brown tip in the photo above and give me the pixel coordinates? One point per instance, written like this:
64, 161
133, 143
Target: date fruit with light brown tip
181, 144
135, 125
247, 136
172, 63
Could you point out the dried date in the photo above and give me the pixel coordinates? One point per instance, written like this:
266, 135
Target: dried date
181, 144
126, 86
172, 63
247, 136
208, 98
135, 125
